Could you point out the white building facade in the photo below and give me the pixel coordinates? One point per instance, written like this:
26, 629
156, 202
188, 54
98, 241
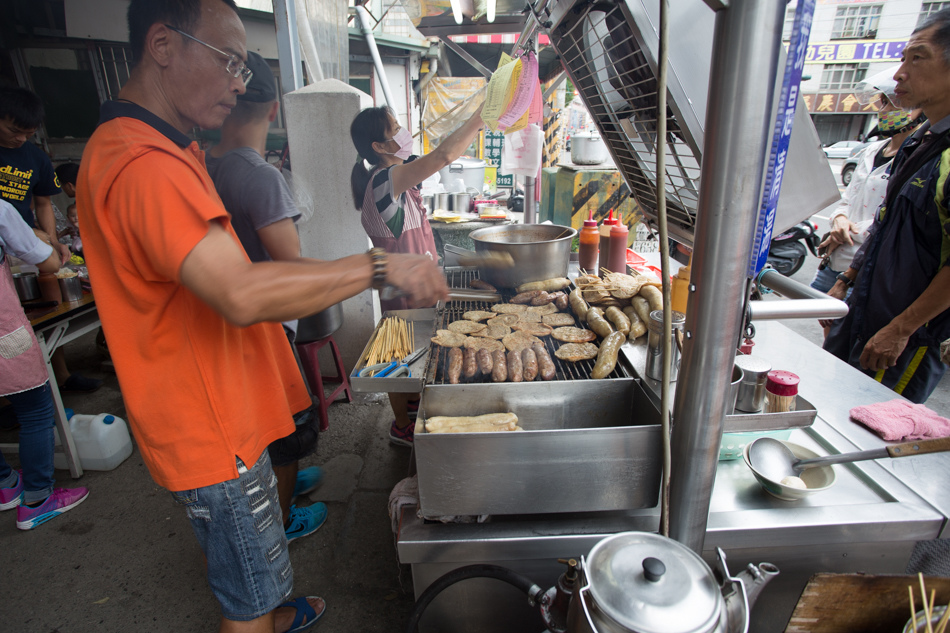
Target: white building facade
851, 40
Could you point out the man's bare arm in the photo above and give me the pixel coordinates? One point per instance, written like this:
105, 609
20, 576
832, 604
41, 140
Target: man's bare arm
46, 220
882, 350
244, 293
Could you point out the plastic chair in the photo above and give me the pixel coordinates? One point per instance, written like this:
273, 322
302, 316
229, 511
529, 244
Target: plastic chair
313, 334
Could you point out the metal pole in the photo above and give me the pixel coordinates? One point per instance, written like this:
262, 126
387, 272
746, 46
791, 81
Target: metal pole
530, 186
288, 45
738, 119
363, 16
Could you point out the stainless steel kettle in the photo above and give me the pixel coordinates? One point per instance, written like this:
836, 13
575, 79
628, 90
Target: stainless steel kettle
637, 582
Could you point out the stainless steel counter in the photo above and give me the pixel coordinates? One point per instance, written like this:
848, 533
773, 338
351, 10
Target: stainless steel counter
869, 521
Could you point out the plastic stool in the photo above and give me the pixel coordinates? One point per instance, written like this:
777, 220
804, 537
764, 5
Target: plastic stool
311, 364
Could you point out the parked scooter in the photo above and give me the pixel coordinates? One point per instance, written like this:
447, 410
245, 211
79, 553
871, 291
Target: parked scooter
787, 252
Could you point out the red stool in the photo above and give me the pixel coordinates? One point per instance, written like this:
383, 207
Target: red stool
311, 363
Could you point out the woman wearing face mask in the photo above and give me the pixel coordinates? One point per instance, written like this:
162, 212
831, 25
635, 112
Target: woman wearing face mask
391, 206
865, 193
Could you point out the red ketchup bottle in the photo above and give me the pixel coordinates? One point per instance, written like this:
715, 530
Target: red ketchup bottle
589, 244
617, 258
605, 238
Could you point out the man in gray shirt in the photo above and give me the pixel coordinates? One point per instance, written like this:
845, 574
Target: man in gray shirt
263, 214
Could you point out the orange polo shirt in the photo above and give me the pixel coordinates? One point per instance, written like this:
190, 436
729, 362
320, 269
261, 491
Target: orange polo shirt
198, 390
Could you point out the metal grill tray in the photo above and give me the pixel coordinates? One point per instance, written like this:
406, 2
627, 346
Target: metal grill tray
422, 321
459, 277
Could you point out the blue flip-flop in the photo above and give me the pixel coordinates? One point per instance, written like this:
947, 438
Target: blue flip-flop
304, 610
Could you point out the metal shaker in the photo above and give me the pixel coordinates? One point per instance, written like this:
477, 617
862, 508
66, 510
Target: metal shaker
755, 372
654, 366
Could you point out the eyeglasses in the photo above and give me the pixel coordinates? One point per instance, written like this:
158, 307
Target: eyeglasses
236, 66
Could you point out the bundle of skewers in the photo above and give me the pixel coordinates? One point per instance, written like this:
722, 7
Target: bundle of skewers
393, 341
928, 611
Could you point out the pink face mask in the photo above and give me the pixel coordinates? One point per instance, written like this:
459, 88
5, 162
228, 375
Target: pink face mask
404, 139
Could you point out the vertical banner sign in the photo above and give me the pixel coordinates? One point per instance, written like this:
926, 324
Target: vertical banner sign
795, 62
494, 141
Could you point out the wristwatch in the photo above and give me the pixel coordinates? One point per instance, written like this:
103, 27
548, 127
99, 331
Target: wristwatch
380, 267
843, 278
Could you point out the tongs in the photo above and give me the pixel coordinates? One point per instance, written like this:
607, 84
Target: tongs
455, 256
455, 294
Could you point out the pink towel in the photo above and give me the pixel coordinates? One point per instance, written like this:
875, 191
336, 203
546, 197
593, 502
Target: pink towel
901, 420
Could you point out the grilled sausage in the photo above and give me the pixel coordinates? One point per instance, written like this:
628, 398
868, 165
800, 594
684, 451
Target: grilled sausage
549, 285
543, 299
598, 323
529, 361
545, 364
562, 301
455, 365
653, 295
469, 364
619, 319
526, 297
578, 306
483, 356
637, 327
478, 284
514, 367
607, 356
642, 308
499, 372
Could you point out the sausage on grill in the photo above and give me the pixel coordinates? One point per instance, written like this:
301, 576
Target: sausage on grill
469, 364
514, 367
483, 356
499, 372
455, 365
529, 362
526, 297
562, 301
545, 364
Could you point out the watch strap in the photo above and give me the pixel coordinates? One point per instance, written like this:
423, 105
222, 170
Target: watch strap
843, 278
380, 267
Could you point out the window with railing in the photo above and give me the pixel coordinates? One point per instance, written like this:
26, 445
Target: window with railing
856, 22
929, 8
842, 77
115, 62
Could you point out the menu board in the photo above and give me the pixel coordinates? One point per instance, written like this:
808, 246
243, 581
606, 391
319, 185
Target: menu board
494, 141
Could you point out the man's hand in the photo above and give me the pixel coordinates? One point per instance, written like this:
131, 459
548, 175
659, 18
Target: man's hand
838, 291
63, 250
418, 277
841, 230
882, 350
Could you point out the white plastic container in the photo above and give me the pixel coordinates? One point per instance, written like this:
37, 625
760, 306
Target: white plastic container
102, 441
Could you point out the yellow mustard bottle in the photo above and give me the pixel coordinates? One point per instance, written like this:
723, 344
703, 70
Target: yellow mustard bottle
679, 293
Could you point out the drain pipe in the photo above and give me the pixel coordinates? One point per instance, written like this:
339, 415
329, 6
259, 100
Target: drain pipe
433, 69
738, 119
367, 28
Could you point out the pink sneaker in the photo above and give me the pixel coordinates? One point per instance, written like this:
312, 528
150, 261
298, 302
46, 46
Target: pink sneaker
10, 497
402, 437
62, 500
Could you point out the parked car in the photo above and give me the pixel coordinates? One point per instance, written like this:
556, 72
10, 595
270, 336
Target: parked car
841, 149
847, 168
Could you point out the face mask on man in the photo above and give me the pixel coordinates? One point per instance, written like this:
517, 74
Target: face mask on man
403, 138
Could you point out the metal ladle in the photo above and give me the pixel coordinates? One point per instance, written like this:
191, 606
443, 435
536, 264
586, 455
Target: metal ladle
772, 459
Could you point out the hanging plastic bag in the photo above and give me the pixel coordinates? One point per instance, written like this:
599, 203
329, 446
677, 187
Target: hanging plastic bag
521, 154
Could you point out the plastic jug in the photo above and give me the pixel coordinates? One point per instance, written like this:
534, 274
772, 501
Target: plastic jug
102, 441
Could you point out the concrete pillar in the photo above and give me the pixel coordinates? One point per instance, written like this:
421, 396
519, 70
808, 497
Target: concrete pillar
318, 120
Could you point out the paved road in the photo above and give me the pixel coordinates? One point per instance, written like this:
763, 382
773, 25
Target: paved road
940, 399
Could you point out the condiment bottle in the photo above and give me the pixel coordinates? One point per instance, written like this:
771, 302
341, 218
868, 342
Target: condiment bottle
605, 238
679, 294
617, 257
781, 389
589, 244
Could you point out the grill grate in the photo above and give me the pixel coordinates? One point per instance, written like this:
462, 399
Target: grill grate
438, 356
606, 62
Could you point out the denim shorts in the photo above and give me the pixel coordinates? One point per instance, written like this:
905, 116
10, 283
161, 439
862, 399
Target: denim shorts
239, 527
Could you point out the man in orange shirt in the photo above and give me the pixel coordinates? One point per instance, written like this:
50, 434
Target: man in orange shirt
193, 326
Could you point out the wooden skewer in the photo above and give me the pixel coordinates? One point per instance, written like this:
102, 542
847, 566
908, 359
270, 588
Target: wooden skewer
923, 595
913, 611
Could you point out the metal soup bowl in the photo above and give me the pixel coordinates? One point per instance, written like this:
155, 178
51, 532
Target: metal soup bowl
540, 251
